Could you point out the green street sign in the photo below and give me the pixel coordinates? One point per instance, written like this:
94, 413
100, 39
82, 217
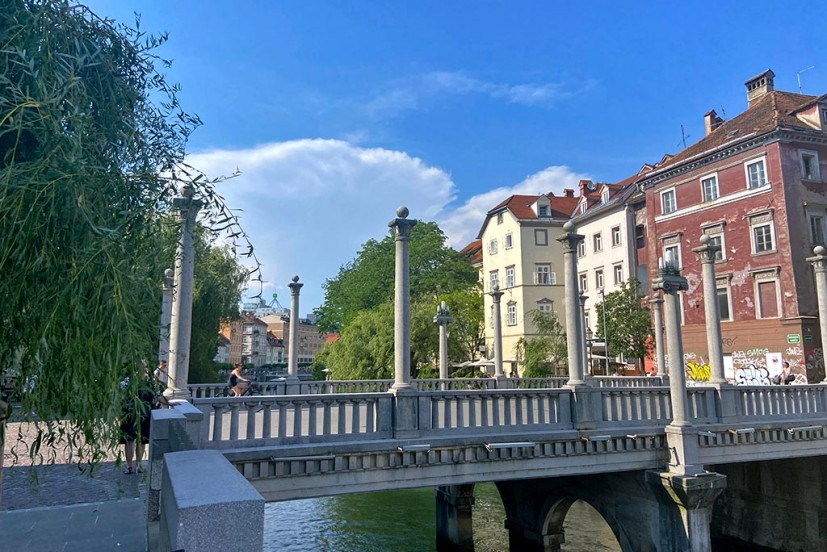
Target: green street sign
793, 338
808, 338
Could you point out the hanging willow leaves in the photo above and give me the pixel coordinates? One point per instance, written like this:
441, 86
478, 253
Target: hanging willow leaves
92, 143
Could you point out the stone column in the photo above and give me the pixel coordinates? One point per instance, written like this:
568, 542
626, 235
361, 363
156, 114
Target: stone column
402, 303
660, 357
706, 253
819, 262
166, 316
293, 338
574, 337
181, 319
681, 435
583, 331
496, 294
443, 318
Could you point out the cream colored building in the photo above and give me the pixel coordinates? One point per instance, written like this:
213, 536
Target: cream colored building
521, 254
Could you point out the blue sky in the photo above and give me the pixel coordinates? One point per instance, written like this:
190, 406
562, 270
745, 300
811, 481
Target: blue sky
336, 112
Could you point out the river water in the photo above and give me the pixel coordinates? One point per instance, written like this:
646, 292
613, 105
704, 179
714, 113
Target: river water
404, 521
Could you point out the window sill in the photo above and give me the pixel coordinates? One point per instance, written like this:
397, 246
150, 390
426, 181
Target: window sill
764, 253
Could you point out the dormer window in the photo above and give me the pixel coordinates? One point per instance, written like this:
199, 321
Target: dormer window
823, 116
604, 197
542, 211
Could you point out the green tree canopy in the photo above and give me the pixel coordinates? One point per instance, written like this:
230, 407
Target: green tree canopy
368, 280
543, 354
91, 147
627, 321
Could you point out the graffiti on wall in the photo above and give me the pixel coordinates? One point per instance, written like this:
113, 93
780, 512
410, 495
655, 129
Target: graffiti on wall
752, 375
696, 371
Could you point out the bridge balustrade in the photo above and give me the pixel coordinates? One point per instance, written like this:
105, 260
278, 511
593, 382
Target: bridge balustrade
779, 402
628, 381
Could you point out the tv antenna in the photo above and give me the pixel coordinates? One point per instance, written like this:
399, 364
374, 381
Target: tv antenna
798, 76
684, 136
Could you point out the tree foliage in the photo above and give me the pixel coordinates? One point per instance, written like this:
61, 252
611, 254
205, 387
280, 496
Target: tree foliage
466, 332
91, 154
543, 354
368, 280
627, 321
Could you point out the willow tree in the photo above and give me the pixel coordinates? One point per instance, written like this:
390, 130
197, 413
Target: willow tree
92, 143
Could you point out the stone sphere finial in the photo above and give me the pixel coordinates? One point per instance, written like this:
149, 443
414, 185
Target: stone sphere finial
402, 212
169, 273
295, 279
187, 191
496, 287
568, 226
819, 250
704, 239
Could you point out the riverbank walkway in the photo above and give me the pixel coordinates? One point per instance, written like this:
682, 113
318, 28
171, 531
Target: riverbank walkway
57, 507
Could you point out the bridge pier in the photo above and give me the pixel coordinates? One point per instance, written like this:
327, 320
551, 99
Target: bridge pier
454, 531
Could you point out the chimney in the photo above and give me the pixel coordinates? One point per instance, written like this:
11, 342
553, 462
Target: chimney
568, 192
711, 121
759, 85
585, 187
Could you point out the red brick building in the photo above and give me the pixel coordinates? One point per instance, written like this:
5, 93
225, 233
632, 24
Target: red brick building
756, 185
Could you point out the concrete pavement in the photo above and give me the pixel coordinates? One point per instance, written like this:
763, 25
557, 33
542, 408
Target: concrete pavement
60, 508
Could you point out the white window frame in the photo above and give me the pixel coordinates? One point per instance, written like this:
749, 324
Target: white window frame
583, 281
581, 248
618, 273
542, 274
493, 279
724, 283
760, 221
597, 242
766, 276
509, 276
674, 202
814, 155
543, 211
492, 246
599, 278
511, 316
666, 257
508, 241
604, 197
545, 306
823, 111
540, 233
617, 236
499, 218
747, 164
720, 256
715, 192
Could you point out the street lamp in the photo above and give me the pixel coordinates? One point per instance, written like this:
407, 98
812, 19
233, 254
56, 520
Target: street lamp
602, 292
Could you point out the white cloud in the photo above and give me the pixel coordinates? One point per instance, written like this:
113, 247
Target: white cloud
414, 93
309, 205
462, 224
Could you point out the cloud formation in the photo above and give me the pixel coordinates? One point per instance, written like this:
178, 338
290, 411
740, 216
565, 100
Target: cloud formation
309, 205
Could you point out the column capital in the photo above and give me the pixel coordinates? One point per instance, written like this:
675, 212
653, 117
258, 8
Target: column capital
583, 298
670, 283
186, 202
570, 239
295, 286
819, 261
401, 225
707, 251
443, 315
495, 293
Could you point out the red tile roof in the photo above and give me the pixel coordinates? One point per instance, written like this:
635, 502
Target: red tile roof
473, 251
520, 206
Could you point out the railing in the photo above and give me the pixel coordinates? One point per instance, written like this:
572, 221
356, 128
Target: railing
632, 406
789, 401
494, 411
628, 381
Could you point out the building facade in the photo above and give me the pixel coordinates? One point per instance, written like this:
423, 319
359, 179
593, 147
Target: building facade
755, 185
310, 340
247, 338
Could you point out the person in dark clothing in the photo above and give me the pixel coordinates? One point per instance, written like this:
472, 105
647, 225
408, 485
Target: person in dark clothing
135, 421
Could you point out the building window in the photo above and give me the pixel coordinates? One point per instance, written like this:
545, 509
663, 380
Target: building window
512, 314
509, 276
672, 256
809, 165
542, 211
545, 306
604, 197
816, 229
598, 278
756, 174
640, 236
493, 279
763, 238
508, 243
499, 218
543, 275
598, 242
709, 188
722, 290
824, 115
540, 237
766, 294
584, 283
618, 272
615, 236
718, 239
667, 202
581, 249
492, 247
